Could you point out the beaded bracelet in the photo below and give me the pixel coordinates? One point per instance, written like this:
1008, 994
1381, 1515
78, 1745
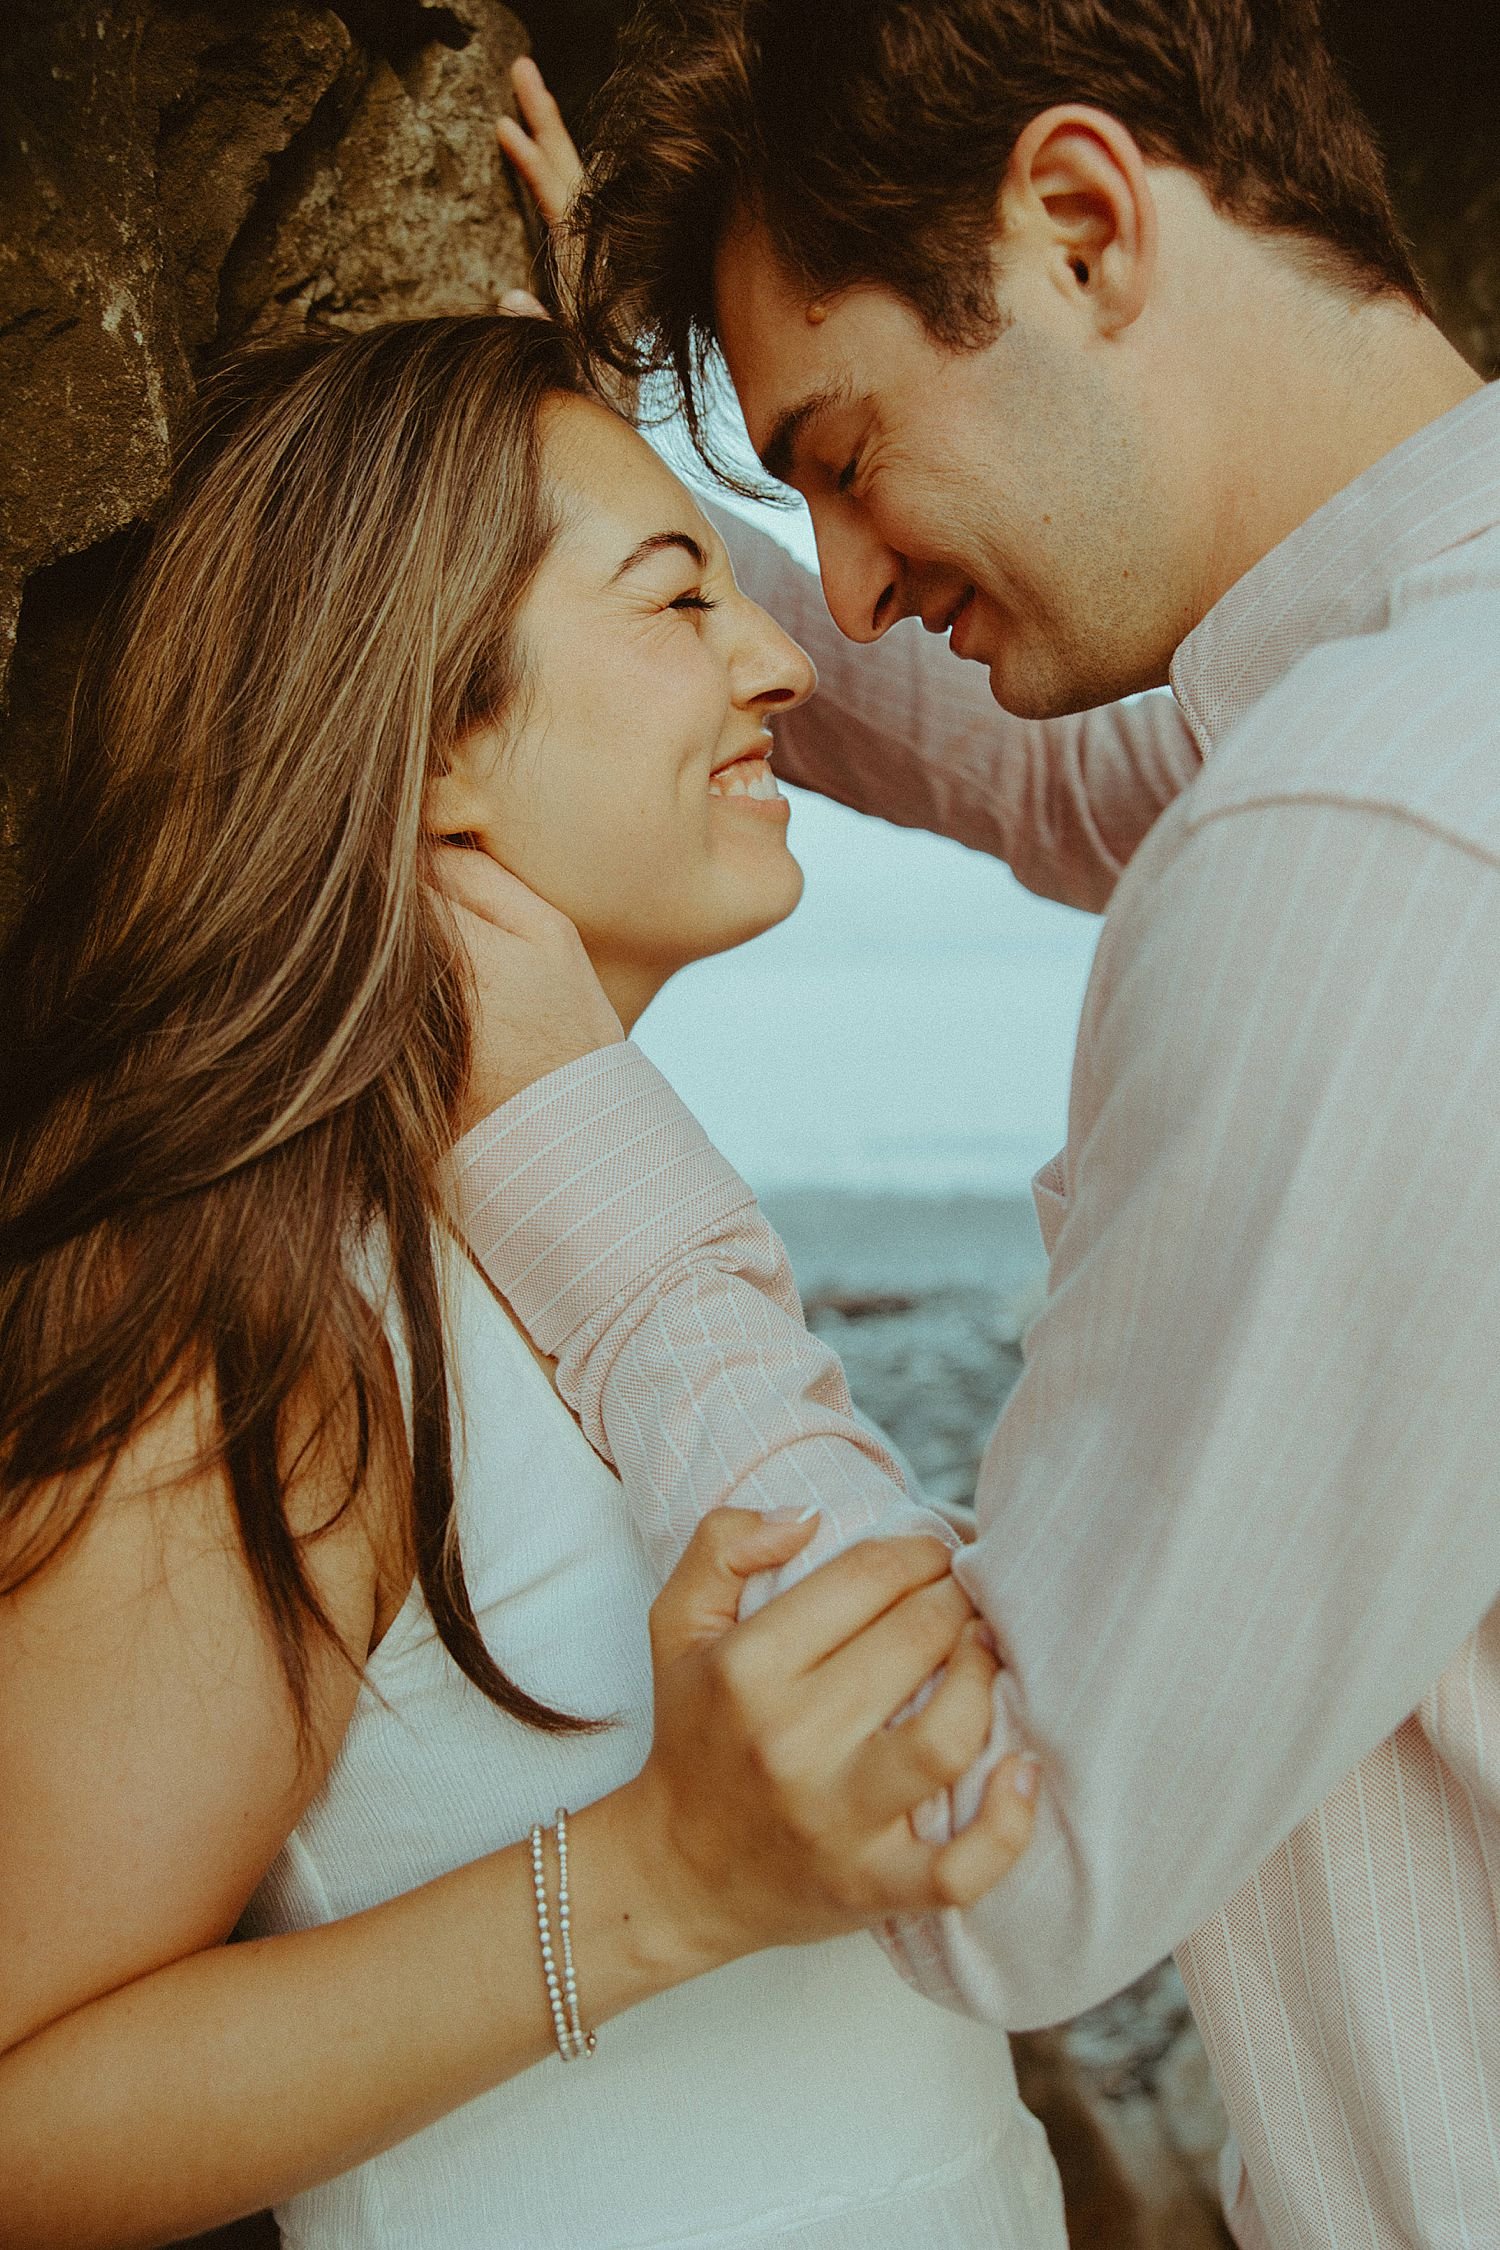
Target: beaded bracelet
573, 2042
584, 2042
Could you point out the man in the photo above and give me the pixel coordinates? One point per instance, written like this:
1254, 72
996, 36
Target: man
1090, 339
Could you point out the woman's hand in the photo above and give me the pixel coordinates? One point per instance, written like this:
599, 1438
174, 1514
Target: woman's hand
773, 1807
540, 1004
156, 2082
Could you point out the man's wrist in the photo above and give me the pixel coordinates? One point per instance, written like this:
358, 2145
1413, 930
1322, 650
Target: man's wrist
489, 1092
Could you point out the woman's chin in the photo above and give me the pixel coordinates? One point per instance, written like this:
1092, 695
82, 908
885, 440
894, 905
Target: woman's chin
775, 901
759, 907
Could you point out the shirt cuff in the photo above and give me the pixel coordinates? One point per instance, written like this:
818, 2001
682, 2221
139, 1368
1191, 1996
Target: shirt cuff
585, 1186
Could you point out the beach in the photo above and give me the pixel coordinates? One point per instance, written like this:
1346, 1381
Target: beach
925, 1300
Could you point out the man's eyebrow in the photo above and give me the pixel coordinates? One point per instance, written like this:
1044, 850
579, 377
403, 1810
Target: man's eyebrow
654, 545
779, 455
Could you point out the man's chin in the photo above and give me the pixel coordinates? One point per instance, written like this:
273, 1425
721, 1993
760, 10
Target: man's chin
1028, 693
1027, 681
1029, 689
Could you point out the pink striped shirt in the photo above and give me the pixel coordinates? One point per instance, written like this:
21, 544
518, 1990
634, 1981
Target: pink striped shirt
1240, 1520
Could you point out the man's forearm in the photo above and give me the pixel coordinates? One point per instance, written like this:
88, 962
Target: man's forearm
700, 1395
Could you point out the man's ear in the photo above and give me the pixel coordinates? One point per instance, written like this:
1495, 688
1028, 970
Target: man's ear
457, 801
1077, 190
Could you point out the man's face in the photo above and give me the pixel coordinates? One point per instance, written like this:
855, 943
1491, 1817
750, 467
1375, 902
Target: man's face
1004, 492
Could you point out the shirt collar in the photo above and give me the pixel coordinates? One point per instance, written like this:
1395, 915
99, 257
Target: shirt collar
1333, 577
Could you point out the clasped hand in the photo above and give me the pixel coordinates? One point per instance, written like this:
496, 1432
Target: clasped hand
775, 1803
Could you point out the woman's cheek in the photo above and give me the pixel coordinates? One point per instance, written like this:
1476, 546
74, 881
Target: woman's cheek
613, 868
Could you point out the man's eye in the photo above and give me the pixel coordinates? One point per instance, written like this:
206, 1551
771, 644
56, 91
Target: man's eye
695, 600
848, 473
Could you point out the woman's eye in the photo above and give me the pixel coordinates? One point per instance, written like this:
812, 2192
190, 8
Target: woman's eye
695, 600
848, 473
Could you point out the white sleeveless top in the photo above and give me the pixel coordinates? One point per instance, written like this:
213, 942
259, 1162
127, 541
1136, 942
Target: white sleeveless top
801, 2095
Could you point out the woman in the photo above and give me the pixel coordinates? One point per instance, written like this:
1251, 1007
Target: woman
319, 1602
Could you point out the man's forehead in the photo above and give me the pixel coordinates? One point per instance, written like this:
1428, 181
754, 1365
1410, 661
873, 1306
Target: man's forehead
782, 362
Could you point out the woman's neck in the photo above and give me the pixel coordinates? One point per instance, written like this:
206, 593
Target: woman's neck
630, 986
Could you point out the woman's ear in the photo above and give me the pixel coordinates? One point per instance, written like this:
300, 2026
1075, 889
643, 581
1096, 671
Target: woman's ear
460, 798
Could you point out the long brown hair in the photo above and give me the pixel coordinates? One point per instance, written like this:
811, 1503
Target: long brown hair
233, 1026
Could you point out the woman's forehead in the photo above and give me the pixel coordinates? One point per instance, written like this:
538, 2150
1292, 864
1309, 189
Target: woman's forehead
614, 490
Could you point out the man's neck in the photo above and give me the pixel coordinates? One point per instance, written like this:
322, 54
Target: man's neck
1324, 400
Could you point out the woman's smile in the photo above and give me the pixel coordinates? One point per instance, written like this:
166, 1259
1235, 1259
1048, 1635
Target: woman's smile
653, 688
747, 779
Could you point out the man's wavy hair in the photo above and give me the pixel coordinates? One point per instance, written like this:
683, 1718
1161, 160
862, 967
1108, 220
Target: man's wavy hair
869, 139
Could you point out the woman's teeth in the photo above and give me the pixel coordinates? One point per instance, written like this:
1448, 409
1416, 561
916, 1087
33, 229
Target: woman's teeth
748, 777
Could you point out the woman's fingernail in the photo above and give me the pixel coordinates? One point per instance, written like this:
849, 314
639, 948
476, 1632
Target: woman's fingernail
790, 1515
984, 1635
1028, 1777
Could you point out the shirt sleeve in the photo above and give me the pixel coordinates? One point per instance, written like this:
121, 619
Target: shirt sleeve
1240, 1510
903, 729
671, 1311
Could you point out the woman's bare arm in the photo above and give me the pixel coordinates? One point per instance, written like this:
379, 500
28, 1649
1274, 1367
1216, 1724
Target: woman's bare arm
155, 2081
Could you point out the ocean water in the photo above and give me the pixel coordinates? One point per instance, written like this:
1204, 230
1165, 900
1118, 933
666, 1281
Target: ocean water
910, 1029
873, 1249
926, 1299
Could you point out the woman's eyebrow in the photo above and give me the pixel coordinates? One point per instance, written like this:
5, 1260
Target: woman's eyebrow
654, 545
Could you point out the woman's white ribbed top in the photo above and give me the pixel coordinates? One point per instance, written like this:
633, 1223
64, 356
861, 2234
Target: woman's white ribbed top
804, 2096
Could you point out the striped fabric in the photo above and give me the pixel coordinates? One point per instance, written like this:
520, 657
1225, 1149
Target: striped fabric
1240, 1519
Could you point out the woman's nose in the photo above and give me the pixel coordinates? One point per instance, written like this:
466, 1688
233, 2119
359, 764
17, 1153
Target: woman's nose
774, 673
861, 576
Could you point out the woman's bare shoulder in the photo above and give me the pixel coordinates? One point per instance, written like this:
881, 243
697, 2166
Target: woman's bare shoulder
151, 1764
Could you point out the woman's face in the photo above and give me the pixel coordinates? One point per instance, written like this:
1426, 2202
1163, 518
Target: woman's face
631, 787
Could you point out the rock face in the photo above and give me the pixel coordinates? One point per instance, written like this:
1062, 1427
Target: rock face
1428, 73
176, 175
1134, 2120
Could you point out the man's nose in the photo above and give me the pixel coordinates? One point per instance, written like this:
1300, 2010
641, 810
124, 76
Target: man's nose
861, 577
